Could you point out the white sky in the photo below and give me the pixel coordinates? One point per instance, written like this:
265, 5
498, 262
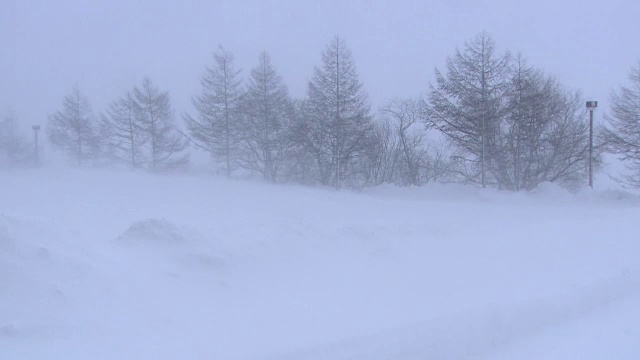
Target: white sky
106, 47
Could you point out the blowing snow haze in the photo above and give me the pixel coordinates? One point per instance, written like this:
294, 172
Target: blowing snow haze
106, 47
328, 180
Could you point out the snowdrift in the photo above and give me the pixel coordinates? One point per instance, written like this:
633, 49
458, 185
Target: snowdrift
135, 266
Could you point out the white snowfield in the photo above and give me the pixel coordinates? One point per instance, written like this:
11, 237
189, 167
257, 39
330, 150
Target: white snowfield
98, 265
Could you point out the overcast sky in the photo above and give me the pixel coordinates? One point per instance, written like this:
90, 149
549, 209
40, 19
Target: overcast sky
107, 47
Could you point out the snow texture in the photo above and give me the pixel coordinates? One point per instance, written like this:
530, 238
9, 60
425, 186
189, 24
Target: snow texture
135, 266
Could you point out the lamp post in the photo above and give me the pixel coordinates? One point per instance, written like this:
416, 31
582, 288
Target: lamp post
36, 128
591, 105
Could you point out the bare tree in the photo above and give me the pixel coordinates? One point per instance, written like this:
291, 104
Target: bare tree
300, 164
466, 104
545, 136
215, 129
155, 118
380, 160
399, 151
508, 120
71, 129
406, 116
13, 145
339, 122
266, 132
622, 133
123, 132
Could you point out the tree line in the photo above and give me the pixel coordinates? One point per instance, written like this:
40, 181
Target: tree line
489, 118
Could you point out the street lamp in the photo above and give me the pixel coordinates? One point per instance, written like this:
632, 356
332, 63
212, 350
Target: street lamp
591, 105
36, 128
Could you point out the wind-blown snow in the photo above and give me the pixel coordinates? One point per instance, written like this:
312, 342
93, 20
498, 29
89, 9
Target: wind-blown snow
135, 266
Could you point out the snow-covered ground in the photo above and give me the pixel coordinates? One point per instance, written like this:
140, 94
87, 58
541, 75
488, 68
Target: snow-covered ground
98, 265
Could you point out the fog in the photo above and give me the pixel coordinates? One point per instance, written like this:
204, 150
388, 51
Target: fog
344, 226
106, 47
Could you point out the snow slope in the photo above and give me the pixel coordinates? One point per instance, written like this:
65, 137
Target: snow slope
135, 266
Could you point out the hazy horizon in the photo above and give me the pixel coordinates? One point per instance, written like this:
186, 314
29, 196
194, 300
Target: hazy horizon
485, 223
108, 47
